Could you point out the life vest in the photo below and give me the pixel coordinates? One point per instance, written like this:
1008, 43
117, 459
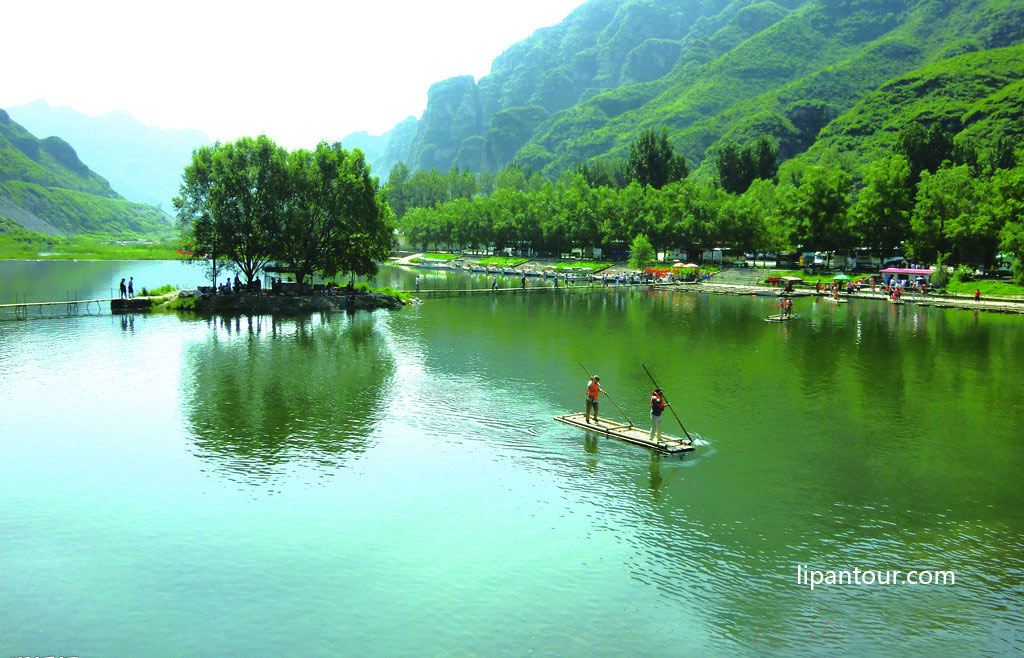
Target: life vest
657, 403
593, 389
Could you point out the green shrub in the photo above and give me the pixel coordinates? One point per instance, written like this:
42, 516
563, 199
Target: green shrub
182, 304
963, 274
156, 292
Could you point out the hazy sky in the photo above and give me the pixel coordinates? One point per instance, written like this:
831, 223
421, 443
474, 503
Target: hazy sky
298, 70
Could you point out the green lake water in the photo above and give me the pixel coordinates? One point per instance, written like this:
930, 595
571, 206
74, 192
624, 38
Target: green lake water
392, 483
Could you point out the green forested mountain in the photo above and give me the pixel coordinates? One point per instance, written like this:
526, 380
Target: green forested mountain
45, 188
838, 72
142, 163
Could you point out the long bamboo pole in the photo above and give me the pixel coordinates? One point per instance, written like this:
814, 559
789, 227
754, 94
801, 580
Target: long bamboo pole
609, 397
666, 402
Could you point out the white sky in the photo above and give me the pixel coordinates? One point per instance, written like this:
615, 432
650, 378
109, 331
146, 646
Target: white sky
298, 70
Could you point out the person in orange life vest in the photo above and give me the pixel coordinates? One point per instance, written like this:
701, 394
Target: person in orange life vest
977, 294
593, 388
658, 405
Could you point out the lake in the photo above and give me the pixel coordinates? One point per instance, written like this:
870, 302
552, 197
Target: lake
392, 483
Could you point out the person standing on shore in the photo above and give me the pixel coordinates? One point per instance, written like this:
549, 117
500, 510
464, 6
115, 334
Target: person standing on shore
524, 281
131, 287
124, 290
977, 294
593, 388
658, 405
417, 283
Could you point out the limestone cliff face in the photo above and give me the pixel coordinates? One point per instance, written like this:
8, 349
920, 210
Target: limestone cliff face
707, 70
453, 113
384, 151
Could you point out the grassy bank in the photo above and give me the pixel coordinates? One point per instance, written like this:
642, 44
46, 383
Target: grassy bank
501, 261
26, 245
988, 288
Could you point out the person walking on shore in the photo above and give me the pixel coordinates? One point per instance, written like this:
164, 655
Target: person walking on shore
977, 294
593, 388
524, 281
124, 290
658, 405
131, 287
417, 283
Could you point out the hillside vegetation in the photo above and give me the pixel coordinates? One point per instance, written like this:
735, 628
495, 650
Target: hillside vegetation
715, 71
46, 189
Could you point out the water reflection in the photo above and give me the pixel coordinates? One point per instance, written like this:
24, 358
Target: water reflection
261, 392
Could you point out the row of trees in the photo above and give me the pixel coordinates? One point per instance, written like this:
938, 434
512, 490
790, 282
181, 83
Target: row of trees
252, 202
955, 213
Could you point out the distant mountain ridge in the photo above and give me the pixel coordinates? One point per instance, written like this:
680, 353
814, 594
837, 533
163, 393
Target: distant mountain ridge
46, 188
708, 70
142, 163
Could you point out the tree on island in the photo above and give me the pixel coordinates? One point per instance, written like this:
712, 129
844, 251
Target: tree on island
251, 202
231, 202
335, 219
640, 252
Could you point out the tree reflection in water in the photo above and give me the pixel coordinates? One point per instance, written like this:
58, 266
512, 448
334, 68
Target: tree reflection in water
260, 393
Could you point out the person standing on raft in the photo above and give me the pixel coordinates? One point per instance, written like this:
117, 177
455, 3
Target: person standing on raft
658, 405
593, 388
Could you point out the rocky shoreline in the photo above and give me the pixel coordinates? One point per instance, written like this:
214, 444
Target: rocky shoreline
194, 301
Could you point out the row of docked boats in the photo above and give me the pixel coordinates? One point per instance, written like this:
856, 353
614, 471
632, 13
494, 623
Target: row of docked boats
458, 266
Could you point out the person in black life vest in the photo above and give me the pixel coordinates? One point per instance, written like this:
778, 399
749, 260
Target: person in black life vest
658, 405
593, 388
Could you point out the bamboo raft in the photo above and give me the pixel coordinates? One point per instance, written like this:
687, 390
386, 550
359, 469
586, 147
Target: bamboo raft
829, 298
630, 434
780, 318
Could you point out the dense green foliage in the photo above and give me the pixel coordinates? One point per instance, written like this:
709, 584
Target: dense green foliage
251, 202
960, 214
46, 189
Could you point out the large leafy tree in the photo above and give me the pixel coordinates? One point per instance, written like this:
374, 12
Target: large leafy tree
1003, 209
819, 209
739, 167
925, 150
653, 162
398, 195
641, 252
336, 219
231, 202
945, 203
881, 215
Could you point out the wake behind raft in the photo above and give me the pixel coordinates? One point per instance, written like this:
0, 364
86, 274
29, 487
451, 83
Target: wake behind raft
668, 445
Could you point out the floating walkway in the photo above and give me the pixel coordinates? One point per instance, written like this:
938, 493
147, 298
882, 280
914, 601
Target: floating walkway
628, 433
75, 307
66, 308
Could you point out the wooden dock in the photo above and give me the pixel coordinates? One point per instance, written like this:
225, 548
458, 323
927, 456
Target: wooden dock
668, 445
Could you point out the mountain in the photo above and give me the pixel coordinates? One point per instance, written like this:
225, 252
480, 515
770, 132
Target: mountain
46, 188
707, 70
142, 163
387, 150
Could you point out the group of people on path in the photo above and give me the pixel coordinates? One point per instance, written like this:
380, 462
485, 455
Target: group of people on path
657, 401
128, 291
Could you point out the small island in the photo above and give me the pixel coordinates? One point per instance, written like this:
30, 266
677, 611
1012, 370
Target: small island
313, 299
